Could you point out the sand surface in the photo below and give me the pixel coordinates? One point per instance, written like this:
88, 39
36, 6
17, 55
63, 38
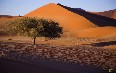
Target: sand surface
98, 32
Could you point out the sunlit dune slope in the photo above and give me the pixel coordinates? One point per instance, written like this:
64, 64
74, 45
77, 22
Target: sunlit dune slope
68, 20
98, 32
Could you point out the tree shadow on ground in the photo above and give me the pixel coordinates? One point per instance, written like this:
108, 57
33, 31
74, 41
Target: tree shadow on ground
102, 44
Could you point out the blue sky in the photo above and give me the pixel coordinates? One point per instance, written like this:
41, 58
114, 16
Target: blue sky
22, 7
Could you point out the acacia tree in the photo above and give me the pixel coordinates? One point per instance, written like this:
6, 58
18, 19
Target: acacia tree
33, 27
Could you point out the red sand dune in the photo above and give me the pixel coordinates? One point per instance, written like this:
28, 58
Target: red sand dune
69, 20
75, 23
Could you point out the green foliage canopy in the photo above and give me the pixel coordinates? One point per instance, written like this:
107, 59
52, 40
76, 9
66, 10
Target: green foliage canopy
34, 27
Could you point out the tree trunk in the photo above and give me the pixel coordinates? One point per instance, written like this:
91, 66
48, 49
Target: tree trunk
45, 39
34, 40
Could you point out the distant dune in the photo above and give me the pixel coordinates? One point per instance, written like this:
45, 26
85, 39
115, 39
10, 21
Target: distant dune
6, 18
110, 13
9, 16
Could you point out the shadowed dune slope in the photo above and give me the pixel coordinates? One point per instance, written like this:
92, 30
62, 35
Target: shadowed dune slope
67, 19
98, 32
111, 13
93, 17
